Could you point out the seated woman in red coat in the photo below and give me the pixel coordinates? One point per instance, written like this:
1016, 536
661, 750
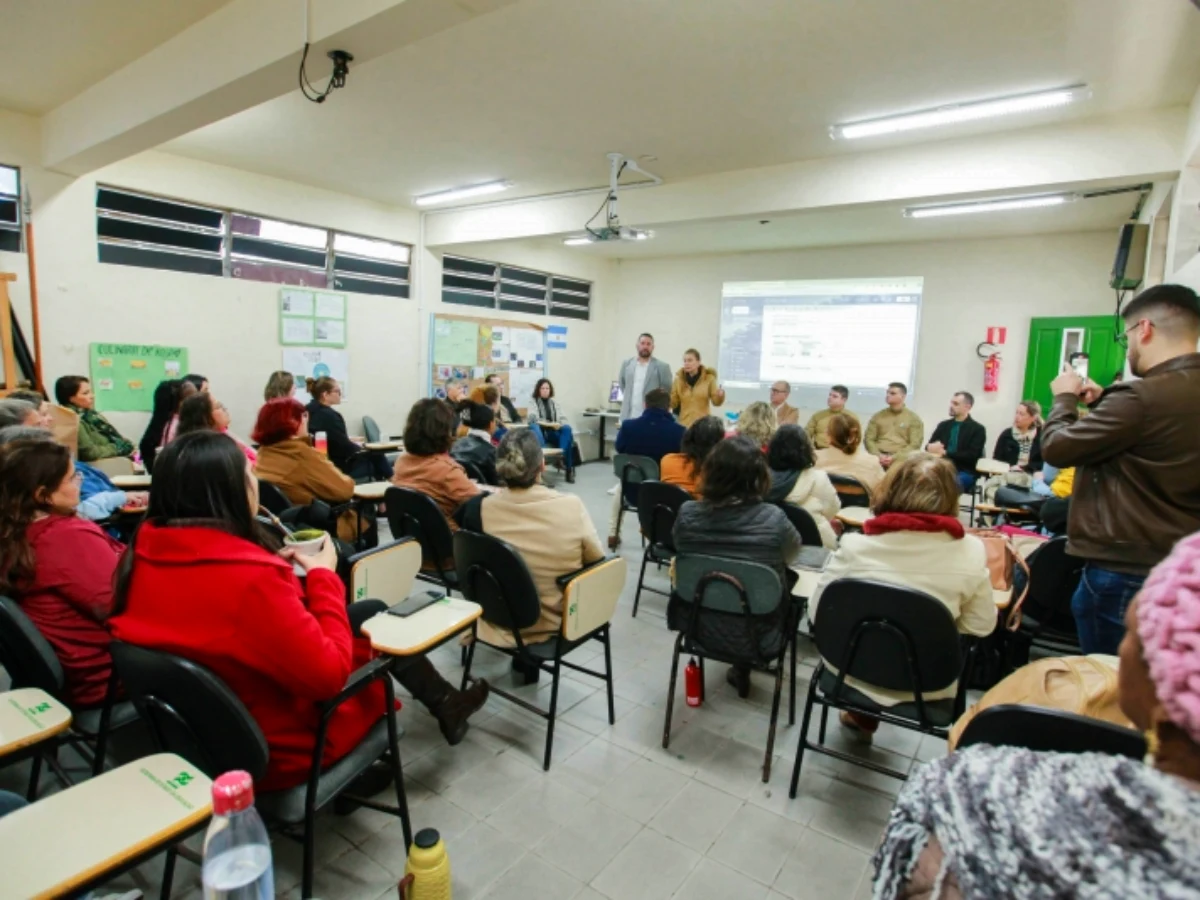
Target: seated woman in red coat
58, 566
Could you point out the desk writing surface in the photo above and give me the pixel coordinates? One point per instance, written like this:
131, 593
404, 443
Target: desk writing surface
58, 843
29, 716
131, 482
855, 515
384, 446
807, 583
373, 490
416, 633
991, 467
602, 413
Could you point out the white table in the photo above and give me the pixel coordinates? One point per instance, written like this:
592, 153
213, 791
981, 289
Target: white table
73, 838
854, 516
603, 416
422, 630
29, 716
991, 467
383, 446
131, 482
372, 491
807, 583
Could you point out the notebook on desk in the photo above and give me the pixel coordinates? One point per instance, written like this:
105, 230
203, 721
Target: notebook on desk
814, 559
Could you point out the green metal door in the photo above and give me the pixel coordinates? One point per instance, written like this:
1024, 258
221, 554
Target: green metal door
1051, 340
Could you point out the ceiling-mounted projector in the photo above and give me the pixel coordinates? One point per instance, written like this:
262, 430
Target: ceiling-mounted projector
613, 230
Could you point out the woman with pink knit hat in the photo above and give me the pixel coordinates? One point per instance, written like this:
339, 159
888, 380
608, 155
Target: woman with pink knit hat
1004, 822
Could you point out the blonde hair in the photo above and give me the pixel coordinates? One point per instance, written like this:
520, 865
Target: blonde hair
844, 433
280, 384
1034, 409
757, 422
921, 483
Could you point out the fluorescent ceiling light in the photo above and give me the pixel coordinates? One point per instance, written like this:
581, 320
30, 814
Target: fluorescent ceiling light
579, 240
462, 193
961, 112
1000, 204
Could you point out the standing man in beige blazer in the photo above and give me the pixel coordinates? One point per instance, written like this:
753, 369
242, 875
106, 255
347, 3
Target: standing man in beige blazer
786, 415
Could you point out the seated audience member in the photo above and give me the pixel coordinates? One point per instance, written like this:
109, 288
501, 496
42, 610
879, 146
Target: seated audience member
695, 387
483, 395
163, 408
185, 389
546, 413
757, 422
281, 385
287, 460
426, 465
961, 440
999, 822
846, 456
19, 412
896, 431
59, 567
796, 479
684, 468
509, 414
456, 391
203, 412
817, 428
475, 447
654, 433
550, 530
915, 541
733, 520
326, 393
1057, 508
98, 439
199, 382
38, 402
1021, 446
784, 414
204, 581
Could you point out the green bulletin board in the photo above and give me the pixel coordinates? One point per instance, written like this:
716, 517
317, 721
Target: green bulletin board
309, 318
124, 376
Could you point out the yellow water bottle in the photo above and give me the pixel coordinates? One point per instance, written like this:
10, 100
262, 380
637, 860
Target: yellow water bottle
427, 872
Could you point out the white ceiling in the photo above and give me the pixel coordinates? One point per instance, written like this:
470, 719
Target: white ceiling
863, 225
539, 91
54, 49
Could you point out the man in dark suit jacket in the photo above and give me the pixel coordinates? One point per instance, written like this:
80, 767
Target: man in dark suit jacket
960, 439
654, 433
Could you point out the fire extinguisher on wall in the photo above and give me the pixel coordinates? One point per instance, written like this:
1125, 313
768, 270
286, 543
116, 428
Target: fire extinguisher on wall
989, 352
991, 373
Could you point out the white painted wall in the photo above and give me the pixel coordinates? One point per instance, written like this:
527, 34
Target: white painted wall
969, 285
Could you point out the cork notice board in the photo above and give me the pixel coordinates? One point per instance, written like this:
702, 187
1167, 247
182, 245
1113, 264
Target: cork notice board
470, 349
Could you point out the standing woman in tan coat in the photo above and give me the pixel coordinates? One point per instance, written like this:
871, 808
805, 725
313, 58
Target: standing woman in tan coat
693, 389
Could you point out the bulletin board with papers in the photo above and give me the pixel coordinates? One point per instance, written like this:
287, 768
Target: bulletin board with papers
469, 349
310, 318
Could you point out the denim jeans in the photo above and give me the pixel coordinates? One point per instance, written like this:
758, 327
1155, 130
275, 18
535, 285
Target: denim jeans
564, 439
966, 482
1099, 607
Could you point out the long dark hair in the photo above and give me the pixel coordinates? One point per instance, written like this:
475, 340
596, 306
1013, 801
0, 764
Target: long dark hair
698, 441
735, 472
790, 450
30, 469
199, 480
166, 401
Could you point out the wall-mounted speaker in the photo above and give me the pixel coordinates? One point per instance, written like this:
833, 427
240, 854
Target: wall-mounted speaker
1129, 267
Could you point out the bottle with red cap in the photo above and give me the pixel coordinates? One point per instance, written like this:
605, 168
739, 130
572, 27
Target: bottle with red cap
237, 851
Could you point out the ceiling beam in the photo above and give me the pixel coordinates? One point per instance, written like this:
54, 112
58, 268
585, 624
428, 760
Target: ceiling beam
1141, 146
244, 54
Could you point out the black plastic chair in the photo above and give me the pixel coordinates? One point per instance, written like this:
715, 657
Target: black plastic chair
32, 663
850, 490
193, 713
1046, 619
658, 506
632, 470
413, 514
804, 523
1050, 731
890, 637
735, 612
493, 574
318, 514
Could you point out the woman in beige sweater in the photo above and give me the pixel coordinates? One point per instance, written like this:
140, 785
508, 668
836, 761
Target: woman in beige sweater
845, 454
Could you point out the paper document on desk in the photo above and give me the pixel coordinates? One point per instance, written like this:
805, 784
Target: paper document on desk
814, 559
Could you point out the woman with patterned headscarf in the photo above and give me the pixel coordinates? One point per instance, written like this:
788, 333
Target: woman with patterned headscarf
1003, 822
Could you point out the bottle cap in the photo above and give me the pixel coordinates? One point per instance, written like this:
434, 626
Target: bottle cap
232, 792
426, 838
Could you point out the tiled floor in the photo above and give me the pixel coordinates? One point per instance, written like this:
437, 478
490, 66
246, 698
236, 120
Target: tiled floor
616, 816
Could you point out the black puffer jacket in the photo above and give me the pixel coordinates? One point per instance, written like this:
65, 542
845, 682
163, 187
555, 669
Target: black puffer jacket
755, 532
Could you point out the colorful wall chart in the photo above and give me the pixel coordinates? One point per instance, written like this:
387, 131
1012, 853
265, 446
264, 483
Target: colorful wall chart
124, 376
315, 362
469, 349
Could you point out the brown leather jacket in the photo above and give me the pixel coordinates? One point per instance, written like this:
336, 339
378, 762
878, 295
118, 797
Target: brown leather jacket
1137, 489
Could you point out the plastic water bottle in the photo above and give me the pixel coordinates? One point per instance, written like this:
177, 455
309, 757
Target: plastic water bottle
321, 442
237, 851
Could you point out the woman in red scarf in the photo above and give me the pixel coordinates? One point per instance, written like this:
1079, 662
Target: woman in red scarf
916, 541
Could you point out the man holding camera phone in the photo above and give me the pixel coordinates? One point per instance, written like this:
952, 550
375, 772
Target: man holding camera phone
1137, 488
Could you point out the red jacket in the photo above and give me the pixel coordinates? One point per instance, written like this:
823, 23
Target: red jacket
70, 596
280, 646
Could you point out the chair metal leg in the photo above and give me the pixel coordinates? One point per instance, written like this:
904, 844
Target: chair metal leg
608, 679
774, 719
164, 892
105, 723
553, 711
637, 594
397, 769
469, 650
35, 774
824, 720
803, 742
671, 692
792, 692
703, 679
310, 839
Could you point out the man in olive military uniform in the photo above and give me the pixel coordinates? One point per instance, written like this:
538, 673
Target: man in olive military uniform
897, 431
817, 427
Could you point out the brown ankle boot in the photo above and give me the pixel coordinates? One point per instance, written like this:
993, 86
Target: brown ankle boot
458, 706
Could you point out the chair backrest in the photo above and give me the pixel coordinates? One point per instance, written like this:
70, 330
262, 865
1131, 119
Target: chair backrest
371, 430
114, 465
272, 497
850, 490
590, 599
492, 573
385, 573
1050, 730
761, 588
25, 654
633, 470
65, 427
473, 471
658, 506
190, 711
731, 609
1053, 577
888, 636
413, 514
804, 523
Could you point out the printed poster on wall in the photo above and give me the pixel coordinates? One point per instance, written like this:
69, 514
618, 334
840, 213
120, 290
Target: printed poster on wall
124, 376
316, 362
308, 317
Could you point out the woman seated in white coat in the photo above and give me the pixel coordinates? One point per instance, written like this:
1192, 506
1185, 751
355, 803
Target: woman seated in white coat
916, 541
795, 479
552, 532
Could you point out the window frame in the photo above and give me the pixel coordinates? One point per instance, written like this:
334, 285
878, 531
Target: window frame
18, 225
515, 301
